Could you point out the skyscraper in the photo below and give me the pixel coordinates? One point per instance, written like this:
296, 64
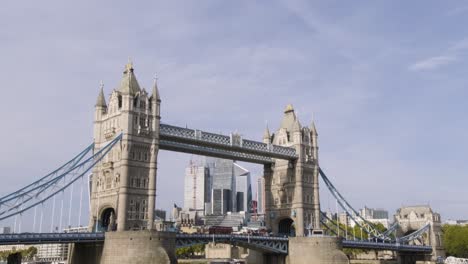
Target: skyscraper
261, 195
243, 189
223, 185
197, 189
232, 191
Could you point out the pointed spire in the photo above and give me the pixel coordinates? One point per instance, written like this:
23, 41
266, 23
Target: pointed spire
156, 90
296, 126
129, 83
266, 134
101, 100
313, 130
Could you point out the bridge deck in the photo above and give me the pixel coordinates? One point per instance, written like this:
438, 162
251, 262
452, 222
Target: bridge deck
50, 238
278, 245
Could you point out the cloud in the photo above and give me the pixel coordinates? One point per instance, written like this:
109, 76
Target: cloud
452, 54
457, 11
432, 63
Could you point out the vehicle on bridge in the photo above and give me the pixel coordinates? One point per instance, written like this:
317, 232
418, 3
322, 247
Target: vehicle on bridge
220, 230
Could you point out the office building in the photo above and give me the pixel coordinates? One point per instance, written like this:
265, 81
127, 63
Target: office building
261, 195
197, 189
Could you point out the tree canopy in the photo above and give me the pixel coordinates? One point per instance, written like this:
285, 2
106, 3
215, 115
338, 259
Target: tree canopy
456, 240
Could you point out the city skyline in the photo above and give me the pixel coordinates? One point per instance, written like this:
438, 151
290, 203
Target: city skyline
387, 96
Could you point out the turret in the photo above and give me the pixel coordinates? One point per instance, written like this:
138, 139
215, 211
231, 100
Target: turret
314, 138
101, 100
100, 109
155, 102
267, 135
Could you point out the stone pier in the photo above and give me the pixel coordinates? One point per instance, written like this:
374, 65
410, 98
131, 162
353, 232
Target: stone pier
316, 250
135, 247
139, 247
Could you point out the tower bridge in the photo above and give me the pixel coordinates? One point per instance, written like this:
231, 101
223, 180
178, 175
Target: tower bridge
128, 135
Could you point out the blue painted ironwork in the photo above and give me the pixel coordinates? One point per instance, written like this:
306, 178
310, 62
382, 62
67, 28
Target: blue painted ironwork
47, 187
336, 225
170, 135
49, 238
367, 227
211, 151
416, 234
386, 246
277, 245
33, 187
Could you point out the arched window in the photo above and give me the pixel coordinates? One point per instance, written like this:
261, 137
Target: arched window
120, 101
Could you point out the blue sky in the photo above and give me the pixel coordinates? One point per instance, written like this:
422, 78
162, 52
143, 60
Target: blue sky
385, 81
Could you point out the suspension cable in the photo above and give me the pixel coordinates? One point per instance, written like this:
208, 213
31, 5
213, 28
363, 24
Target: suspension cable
53, 216
42, 217
61, 211
81, 202
70, 205
93, 160
34, 222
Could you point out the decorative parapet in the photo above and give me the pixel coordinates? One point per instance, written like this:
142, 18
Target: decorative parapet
232, 142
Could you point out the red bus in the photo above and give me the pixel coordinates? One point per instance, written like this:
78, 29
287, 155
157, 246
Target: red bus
220, 230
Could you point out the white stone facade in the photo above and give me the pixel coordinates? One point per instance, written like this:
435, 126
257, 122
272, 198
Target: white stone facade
123, 184
291, 190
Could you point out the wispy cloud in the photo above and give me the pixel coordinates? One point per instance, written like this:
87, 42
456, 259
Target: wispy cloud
432, 63
452, 54
457, 11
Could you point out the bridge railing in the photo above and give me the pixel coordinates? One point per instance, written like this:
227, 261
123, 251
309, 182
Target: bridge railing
234, 141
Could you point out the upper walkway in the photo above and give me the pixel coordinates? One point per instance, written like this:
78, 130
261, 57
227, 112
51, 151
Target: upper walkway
232, 147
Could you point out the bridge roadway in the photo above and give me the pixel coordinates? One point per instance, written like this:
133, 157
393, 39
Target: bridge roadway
269, 244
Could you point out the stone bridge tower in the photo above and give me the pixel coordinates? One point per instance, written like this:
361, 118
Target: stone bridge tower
412, 218
123, 184
292, 197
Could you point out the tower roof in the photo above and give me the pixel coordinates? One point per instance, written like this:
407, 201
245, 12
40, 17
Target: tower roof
289, 118
296, 126
101, 100
129, 83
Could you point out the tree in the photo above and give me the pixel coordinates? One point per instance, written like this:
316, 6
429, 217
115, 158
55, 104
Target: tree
456, 240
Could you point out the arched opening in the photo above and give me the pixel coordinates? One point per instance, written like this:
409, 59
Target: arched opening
286, 227
107, 219
422, 240
119, 101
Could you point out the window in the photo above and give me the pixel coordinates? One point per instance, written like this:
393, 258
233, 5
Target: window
120, 101
137, 184
108, 182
